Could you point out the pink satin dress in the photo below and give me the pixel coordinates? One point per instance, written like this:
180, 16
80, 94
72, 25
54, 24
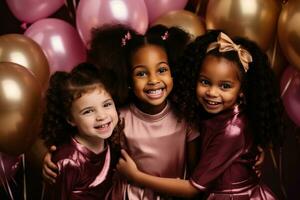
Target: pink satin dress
157, 143
83, 175
227, 156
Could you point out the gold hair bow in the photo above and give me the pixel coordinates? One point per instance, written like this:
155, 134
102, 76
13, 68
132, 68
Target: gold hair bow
224, 43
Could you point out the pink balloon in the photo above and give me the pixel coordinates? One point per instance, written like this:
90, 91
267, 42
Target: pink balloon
290, 93
32, 10
60, 42
94, 13
158, 8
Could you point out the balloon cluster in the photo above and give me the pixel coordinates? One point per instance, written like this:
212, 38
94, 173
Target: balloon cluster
50, 44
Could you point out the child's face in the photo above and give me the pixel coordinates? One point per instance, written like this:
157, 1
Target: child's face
94, 114
218, 85
151, 76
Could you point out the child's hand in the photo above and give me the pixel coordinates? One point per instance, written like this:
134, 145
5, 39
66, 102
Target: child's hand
49, 168
259, 161
127, 166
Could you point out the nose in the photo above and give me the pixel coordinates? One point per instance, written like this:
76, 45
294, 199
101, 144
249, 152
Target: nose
212, 91
153, 79
101, 116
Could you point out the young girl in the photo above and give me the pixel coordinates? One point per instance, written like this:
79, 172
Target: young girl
154, 136
80, 118
230, 89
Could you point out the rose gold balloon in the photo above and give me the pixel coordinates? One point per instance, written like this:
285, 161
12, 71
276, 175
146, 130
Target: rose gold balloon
254, 19
20, 100
24, 51
184, 19
289, 32
277, 59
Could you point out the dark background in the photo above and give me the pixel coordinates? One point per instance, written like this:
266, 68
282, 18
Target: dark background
288, 182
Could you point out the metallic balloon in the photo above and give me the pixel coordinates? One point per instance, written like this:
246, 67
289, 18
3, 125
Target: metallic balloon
276, 58
158, 8
20, 103
60, 42
290, 93
184, 19
94, 13
289, 32
254, 19
24, 51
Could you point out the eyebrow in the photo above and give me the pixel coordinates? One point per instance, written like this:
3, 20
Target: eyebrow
137, 66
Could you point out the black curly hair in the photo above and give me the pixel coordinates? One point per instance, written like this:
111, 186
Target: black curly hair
259, 85
106, 53
172, 40
64, 88
110, 50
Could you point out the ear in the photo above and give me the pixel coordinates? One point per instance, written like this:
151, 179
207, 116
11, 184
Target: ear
241, 95
70, 121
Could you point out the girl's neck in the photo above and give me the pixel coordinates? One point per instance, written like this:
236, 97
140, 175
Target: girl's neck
150, 109
94, 145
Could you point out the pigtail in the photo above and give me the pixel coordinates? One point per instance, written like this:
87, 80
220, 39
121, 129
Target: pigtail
55, 127
108, 52
262, 97
185, 75
174, 40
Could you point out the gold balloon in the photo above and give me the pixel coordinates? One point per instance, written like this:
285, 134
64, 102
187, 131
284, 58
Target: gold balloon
254, 19
289, 32
20, 103
24, 51
184, 19
277, 59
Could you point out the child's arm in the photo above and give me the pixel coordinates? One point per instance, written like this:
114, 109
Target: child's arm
259, 161
50, 169
169, 186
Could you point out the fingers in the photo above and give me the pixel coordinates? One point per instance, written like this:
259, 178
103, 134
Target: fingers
52, 148
48, 175
124, 154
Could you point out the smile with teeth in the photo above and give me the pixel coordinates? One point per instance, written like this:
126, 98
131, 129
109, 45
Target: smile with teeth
154, 93
103, 126
212, 102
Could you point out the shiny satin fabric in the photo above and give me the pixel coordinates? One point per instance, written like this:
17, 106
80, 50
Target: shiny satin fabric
82, 173
157, 144
227, 156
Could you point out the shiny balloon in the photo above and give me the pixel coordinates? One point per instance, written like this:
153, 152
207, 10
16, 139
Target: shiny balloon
184, 19
60, 42
289, 32
24, 51
290, 93
31, 10
158, 8
255, 19
94, 13
277, 59
20, 103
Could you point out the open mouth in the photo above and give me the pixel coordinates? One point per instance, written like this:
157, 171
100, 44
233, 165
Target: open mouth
154, 93
103, 127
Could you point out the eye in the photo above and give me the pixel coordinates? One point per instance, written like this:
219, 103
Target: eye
108, 104
203, 81
141, 73
87, 111
226, 85
163, 69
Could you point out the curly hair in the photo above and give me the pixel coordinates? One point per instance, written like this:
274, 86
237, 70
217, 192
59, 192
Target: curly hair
110, 50
63, 89
172, 40
106, 53
263, 104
